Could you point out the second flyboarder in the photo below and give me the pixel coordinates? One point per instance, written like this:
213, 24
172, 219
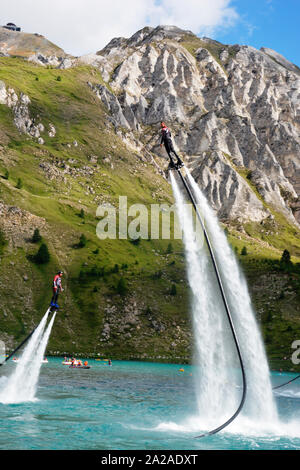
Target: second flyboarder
57, 288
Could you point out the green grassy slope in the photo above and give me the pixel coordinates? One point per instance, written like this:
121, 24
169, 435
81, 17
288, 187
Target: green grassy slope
77, 114
59, 179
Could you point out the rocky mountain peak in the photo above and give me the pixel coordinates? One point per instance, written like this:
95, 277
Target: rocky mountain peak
146, 35
234, 112
281, 60
162, 32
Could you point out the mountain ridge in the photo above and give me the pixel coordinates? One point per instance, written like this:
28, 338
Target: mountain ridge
215, 95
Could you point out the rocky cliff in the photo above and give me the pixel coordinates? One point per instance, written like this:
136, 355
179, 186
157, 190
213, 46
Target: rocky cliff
234, 112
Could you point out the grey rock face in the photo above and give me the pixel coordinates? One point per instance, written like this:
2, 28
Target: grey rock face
112, 104
52, 130
18, 224
3, 93
228, 192
281, 60
234, 112
22, 119
53, 60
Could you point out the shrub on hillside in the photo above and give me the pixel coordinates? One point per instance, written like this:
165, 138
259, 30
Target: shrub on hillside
285, 258
121, 286
285, 263
170, 248
43, 255
173, 290
82, 241
115, 269
36, 237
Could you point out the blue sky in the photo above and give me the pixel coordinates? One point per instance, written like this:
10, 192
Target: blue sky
85, 26
266, 23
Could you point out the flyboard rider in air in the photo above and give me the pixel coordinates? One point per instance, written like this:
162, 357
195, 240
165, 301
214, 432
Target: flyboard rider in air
56, 288
166, 139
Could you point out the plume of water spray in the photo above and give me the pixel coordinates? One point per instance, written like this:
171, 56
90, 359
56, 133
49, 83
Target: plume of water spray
30, 385
214, 352
20, 386
216, 382
260, 404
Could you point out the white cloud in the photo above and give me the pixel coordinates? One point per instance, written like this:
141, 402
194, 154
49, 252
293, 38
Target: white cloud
200, 16
83, 26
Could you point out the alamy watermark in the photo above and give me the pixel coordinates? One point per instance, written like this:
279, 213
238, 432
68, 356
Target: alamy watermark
296, 354
155, 221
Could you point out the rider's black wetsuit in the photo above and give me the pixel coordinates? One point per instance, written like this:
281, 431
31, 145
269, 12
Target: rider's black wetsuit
166, 139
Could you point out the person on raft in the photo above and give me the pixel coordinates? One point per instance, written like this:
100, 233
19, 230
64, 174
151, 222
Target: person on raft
57, 288
166, 139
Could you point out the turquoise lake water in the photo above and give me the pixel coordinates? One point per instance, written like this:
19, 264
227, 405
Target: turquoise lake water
132, 405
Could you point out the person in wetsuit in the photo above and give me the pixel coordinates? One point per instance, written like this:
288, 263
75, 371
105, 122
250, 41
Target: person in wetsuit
57, 288
166, 139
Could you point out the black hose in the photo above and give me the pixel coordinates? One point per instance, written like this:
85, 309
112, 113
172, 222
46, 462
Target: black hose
286, 383
17, 348
219, 428
20, 345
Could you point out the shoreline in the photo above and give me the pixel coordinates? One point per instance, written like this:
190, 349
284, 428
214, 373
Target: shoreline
274, 366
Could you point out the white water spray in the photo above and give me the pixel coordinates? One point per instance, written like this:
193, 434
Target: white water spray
21, 385
218, 377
